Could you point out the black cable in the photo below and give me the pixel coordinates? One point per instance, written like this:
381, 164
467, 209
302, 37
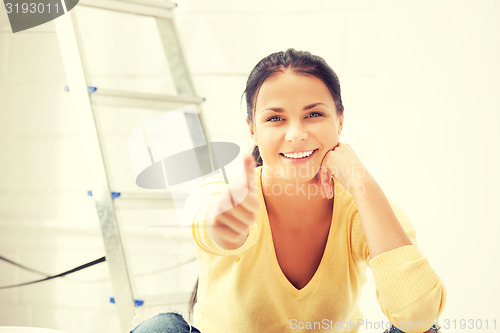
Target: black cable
46, 275
24, 267
73, 270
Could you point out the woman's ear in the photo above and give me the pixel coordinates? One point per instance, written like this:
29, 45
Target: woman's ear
340, 124
251, 127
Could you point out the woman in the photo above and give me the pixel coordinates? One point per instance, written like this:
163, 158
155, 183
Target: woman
292, 255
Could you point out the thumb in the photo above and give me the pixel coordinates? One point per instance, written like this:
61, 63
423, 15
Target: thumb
250, 166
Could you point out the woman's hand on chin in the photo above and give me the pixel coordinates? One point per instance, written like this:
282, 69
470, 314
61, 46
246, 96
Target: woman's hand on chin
343, 164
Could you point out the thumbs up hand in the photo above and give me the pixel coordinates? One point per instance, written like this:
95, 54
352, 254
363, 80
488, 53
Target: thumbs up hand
230, 228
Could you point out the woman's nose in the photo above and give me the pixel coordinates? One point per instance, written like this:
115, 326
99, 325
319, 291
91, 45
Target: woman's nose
295, 132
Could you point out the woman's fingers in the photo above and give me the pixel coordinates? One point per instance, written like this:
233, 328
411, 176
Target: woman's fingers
326, 170
322, 177
326, 177
232, 222
326, 184
240, 213
226, 235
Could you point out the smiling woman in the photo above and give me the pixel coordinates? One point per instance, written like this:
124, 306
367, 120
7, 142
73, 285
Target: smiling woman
305, 64
292, 255
296, 117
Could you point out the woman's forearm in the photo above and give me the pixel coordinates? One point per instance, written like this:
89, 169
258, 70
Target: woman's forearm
381, 226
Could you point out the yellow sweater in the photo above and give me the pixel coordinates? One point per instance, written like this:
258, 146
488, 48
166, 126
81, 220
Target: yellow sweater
245, 291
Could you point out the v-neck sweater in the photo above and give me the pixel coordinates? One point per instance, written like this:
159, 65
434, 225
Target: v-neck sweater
244, 290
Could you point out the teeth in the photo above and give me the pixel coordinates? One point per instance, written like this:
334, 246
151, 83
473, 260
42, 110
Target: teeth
298, 155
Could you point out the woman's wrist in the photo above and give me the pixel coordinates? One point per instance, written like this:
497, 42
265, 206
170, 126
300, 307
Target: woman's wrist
359, 185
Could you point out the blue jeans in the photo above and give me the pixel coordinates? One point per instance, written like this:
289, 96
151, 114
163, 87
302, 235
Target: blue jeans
169, 322
174, 323
434, 329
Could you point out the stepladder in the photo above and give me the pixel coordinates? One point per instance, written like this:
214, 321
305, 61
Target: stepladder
132, 104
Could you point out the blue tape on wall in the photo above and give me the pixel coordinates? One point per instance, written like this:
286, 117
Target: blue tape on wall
114, 195
90, 89
138, 302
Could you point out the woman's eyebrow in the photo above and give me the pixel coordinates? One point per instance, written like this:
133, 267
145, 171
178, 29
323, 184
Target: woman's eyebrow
279, 110
305, 108
312, 106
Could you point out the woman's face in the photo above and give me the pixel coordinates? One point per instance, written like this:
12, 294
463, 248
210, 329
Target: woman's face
295, 125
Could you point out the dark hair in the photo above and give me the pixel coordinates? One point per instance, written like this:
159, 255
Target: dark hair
300, 62
193, 299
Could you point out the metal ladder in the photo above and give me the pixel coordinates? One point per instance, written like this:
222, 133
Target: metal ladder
84, 103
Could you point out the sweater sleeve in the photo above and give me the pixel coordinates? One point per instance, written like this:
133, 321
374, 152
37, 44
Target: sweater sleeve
200, 203
410, 293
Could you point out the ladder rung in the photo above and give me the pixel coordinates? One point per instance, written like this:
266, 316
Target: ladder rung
135, 200
104, 97
166, 299
153, 8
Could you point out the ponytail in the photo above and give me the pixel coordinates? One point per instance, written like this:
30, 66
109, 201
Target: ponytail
256, 156
193, 300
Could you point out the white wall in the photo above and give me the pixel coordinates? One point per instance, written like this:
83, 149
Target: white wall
420, 84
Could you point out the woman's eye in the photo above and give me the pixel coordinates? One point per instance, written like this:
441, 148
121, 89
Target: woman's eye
274, 118
315, 114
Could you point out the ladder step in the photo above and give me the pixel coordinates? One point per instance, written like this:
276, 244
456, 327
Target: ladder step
166, 299
126, 99
153, 8
136, 200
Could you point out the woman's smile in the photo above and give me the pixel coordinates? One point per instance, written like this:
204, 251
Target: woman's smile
299, 156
